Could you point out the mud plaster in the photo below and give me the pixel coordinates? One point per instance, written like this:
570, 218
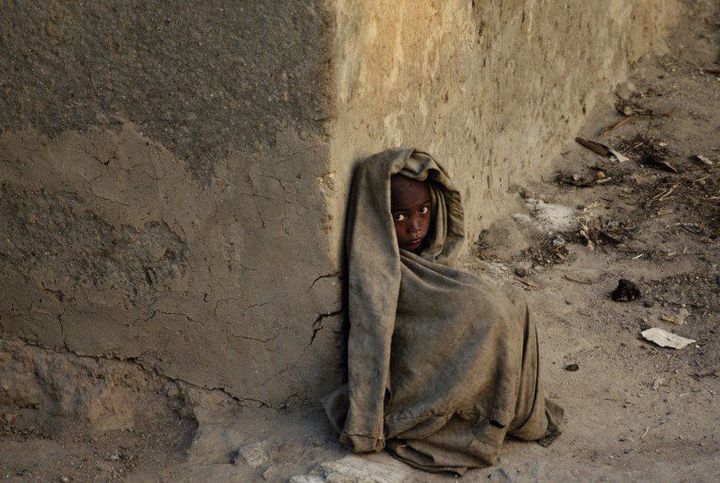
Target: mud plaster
204, 79
174, 180
491, 89
135, 258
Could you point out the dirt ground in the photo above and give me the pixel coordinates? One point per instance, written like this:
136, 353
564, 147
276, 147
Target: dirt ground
634, 411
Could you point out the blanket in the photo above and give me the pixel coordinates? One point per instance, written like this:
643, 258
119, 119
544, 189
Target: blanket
442, 365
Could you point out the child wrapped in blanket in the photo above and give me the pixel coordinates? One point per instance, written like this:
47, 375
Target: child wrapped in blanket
441, 364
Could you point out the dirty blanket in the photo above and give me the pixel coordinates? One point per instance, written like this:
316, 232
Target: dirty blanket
441, 364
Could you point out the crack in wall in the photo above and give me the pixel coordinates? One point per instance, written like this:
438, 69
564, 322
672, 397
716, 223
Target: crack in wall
327, 275
222, 300
58, 293
164, 312
318, 325
149, 368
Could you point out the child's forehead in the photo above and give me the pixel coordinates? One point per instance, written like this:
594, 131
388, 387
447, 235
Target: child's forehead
405, 190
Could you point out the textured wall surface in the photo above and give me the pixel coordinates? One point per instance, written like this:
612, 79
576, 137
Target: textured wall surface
491, 89
173, 175
162, 188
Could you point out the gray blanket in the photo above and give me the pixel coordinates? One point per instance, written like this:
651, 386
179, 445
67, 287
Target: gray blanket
441, 364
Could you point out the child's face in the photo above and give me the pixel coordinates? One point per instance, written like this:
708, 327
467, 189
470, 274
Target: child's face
411, 211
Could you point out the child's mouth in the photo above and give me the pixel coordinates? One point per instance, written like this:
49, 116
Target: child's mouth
415, 243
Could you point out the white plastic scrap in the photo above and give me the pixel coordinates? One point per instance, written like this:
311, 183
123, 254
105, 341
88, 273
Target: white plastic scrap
664, 338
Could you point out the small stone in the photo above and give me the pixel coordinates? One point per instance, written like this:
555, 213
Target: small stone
64, 479
306, 479
257, 454
648, 303
571, 367
521, 272
355, 468
114, 457
171, 390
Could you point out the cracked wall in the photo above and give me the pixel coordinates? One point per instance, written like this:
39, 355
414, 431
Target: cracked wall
173, 176
163, 177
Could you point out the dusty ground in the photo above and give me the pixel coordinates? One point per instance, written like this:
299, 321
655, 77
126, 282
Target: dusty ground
634, 411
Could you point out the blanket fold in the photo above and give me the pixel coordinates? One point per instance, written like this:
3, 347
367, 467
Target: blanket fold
441, 364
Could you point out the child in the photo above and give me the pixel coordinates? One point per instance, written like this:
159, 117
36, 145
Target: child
441, 364
411, 210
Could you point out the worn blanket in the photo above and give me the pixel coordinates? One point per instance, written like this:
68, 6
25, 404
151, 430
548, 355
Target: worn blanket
441, 364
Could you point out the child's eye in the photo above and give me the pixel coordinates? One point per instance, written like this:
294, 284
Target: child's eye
424, 210
399, 217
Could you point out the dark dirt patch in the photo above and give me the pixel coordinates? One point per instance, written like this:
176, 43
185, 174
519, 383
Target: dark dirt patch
69, 242
626, 291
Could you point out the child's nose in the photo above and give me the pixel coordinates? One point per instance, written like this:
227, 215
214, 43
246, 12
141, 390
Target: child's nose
414, 225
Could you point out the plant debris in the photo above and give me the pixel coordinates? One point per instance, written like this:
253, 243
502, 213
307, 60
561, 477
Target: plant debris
575, 179
649, 152
601, 231
602, 149
702, 159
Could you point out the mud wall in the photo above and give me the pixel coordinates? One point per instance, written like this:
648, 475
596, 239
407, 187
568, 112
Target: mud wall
173, 177
162, 188
491, 89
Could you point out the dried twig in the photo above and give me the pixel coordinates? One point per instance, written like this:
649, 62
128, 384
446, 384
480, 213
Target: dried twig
662, 196
584, 282
693, 228
526, 282
601, 149
618, 124
585, 233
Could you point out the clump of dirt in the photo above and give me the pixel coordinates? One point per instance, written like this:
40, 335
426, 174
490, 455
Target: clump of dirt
549, 251
626, 291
